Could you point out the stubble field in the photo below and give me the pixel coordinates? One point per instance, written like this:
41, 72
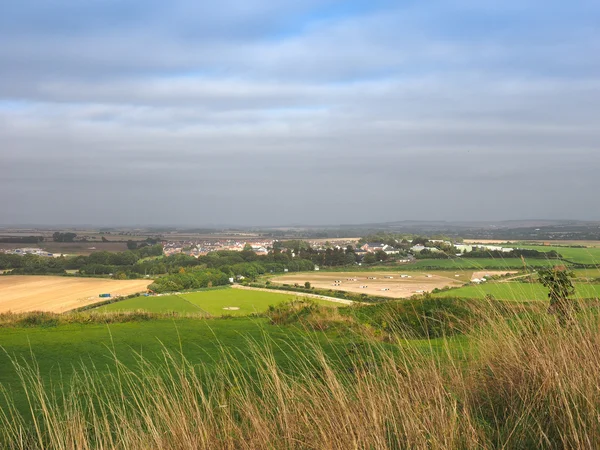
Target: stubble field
385, 284
59, 294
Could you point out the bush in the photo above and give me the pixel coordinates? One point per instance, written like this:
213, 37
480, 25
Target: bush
193, 279
428, 317
308, 314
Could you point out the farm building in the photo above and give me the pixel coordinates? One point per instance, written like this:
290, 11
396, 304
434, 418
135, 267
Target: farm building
419, 248
372, 247
463, 248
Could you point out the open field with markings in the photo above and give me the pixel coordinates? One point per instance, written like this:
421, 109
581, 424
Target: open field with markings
211, 302
386, 284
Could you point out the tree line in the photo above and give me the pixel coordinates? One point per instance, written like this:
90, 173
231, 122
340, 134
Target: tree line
21, 239
217, 268
98, 263
147, 261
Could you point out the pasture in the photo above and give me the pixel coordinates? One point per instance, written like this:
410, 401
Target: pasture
211, 302
515, 291
587, 255
480, 264
94, 385
385, 283
563, 242
22, 293
587, 273
62, 349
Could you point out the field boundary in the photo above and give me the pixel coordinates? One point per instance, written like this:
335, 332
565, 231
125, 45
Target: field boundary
193, 304
302, 294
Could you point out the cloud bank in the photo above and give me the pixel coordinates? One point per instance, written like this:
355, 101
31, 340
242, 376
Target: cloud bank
258, 112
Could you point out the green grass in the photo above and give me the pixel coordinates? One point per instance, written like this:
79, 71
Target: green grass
210, 302
62, 349
519, 382
210, 345
589, 255
587, 273
477, 263
516, 291
167, 303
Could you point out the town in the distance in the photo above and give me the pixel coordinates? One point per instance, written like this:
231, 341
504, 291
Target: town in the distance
399, 260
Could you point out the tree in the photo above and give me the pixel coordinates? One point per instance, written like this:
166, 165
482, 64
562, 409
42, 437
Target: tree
419, 240
381, 255
558, 281
131, 245
63, 237
307, 285
370, 258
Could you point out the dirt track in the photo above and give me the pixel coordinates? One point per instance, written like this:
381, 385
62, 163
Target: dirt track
22, 293
486, 273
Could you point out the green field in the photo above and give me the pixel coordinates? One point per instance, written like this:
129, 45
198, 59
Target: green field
87, 382
516, 291
477, 264
60, 350
589, 255
209, 302
157, 304
587, 273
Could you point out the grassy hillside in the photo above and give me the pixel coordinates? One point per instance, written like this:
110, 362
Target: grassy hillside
60, 350
516, 383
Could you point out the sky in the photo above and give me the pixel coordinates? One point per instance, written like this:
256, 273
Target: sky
248, 112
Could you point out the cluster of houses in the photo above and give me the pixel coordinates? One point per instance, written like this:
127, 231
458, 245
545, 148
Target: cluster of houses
464, 248
374, 247
201, 248
460, 248
262, 247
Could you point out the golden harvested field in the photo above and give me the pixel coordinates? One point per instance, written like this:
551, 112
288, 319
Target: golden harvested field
21, 293
385, 284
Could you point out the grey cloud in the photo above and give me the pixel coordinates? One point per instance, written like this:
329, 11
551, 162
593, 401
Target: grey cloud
317, 188
184, 114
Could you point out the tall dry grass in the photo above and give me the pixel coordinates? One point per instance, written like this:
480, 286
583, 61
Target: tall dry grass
528, 383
